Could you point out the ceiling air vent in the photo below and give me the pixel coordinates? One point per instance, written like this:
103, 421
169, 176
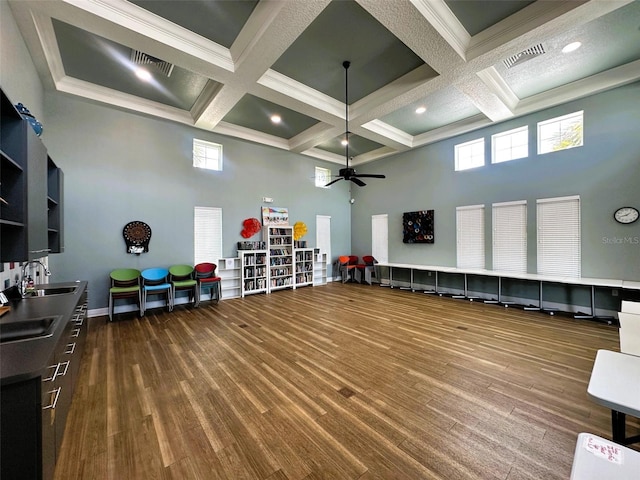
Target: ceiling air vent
140, 58
524, 56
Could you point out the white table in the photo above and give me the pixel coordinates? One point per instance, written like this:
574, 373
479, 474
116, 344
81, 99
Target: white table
615, 383
596, 458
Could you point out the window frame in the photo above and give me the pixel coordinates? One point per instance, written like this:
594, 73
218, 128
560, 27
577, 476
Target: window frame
459, 149
510, 135
567, 119
324, 173
205, 162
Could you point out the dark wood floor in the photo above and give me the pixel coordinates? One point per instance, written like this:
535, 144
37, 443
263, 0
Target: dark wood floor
339, 382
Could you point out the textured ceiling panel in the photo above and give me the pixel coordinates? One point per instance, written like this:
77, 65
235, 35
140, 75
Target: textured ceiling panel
255, 113
478, 15
345, 31
607, 42
219, 21
447, 106
357, 146
100, 61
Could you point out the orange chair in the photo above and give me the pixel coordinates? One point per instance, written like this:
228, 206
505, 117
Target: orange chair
207, 280
347, 269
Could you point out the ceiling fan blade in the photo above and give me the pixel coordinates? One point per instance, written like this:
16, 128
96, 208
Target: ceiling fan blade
370, 175
357, 181
333, 181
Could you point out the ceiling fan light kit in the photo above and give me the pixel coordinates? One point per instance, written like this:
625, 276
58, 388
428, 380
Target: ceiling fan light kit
348, 173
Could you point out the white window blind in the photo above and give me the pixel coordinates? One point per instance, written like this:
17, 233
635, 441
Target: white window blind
470, 236
380, 237
559, 236
207, 234
323, 235
510, 236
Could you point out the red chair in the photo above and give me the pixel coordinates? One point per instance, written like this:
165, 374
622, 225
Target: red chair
207, 280
366, 269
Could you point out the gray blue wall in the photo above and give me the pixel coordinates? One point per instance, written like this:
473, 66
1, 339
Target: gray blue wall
605, 172
121, 167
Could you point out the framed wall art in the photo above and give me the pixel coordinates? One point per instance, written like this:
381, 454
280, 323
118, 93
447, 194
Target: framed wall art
417, 227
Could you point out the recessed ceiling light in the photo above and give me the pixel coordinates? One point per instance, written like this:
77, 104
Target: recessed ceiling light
276, 118
344, 142
421, 110
571, 47
143, 74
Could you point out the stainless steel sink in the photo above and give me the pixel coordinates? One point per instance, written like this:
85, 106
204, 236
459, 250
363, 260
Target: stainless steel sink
45, 291
27, 329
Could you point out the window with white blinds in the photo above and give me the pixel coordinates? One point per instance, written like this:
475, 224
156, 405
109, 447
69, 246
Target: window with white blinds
510, 236
559, 236
380, 237
207, 234
470, 236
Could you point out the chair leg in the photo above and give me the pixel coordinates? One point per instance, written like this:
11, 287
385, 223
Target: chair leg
110, 308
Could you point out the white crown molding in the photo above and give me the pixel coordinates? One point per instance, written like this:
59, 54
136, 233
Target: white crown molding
324, 155
448, 131
49, 44
143, 22
494, 81
387, 131
374, 155
225, 128
90, 91
317, 134
438, 14
616, 77
298, 91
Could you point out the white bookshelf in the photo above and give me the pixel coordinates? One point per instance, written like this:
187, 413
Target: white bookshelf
303, 266
229, 271
254, 271
319, 267
280, 256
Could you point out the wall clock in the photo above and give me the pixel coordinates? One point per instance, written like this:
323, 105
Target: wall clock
137, 236
626, 215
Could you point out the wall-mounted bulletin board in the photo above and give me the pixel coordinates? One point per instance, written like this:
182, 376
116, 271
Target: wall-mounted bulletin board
417, 227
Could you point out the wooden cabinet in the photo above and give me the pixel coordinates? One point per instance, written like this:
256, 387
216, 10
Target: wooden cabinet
254, 271
319, 267
24, 188
280, 250
229, 270
303, 266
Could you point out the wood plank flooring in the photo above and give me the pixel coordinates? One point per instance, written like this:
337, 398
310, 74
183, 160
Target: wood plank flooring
340, 382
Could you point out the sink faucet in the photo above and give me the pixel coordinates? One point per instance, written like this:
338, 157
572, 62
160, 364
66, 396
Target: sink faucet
23, 282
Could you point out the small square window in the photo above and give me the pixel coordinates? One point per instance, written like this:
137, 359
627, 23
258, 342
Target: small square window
469, 154
323, 176
510, 145
560, 133
207, 155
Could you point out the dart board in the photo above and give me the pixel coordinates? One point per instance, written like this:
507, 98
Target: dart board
137, 236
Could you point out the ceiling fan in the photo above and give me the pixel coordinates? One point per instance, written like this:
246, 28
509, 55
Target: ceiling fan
349, 173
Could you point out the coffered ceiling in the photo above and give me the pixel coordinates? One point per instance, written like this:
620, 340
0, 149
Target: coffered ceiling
228, 66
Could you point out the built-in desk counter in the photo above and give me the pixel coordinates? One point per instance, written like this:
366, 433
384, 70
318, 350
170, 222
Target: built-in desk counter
401, 269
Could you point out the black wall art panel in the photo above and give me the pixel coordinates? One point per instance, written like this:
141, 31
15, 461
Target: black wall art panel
417, 227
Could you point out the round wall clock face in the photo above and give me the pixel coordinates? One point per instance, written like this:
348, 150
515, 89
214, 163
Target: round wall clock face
626, 215
137, 236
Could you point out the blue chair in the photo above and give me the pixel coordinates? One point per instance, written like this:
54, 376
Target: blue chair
155, 281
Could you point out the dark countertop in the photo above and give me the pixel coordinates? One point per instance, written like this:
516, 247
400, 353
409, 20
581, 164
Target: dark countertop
24, 359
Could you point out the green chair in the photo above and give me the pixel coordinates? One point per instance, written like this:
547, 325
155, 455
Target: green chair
181, 277
125, 283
